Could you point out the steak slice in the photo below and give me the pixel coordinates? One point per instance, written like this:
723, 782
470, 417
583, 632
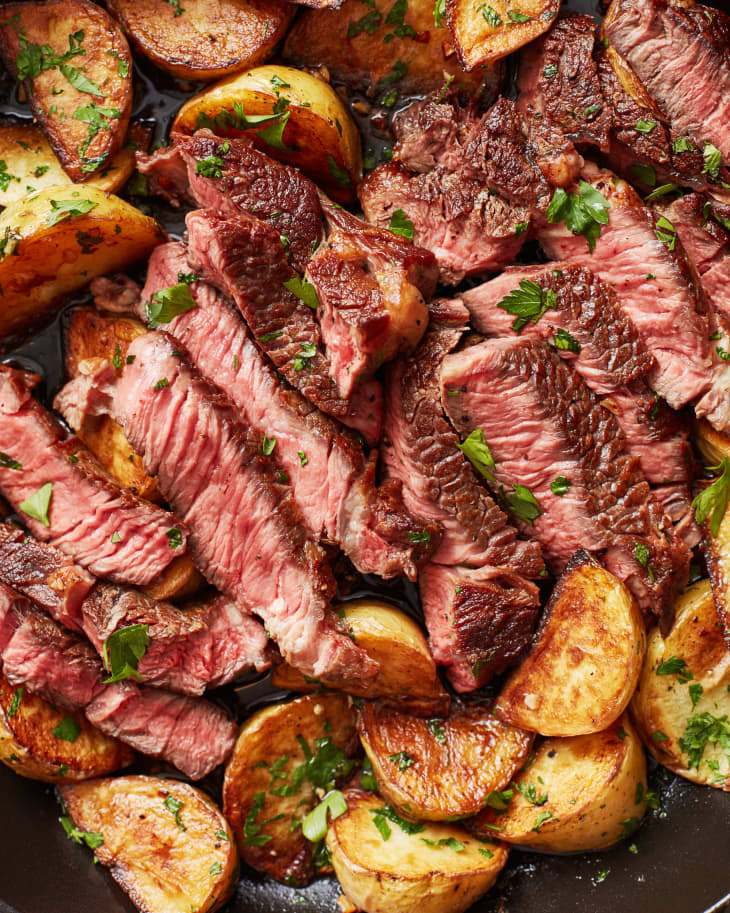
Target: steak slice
543, 423
194, 735
332, 482
558, 81
236, 177
243, 257
680, 54
105, 529
190, 649
244, 526
653, 285
43, 574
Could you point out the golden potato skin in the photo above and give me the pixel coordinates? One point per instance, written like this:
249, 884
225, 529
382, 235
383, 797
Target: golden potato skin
663, 703
107, 63
320, 136
583, 666
267, 752
479, 42
596, 794
209, 38
404, 874
166, 864
439, 769
406, 676
713, 445
28, 746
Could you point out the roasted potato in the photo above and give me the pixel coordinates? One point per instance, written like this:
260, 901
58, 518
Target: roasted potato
180, 580
283, 754
407, 675
717, 556
713, 445
583, 666
76, 68
682, 704
440, 769
387, 865
55, 241
165, 842
483, 33
29, 747
32, 165
297, 118
205, 39
585, 792
351, 43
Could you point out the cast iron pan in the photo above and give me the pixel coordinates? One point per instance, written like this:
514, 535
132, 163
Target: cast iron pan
681, 854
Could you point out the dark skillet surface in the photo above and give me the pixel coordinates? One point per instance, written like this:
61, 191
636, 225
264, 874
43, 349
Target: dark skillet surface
682, 858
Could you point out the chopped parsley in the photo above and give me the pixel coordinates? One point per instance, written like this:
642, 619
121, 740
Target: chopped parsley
490, 15
175, 806
702, 730
122, 64
476, 450
210, 167
402, 760
713, 159
386, 812
123, 650
169, 303
528, 303
304, 291
584, 212
675, 665
560, 486
499, 800
174, 537
15, 702
517, 16
666, 232
643, 173
713, 500
419, 535
314, 825
161, 384
65, 209
367, 777
641, 553
437, 730
68, 730
268, 445
564, 342
90, 838
523, 504
450, 842
400, 224
306, 351
368, 23
644, 126
541, 819
7, 462
550, 70
529, 791
340, 175
37, 505
302, 457
439, 14
682, 144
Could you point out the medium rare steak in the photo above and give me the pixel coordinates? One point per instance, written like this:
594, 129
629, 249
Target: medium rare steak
558, 81
245, 529
648, 271
232, 176
332, 482
43, 574
243, 257
190, 649
104, 528
562, 457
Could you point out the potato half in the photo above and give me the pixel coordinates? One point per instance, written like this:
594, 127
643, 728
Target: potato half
55, 241
204, 39
427, 868
712, 444
283, 754
77, 71
407, 675
29, 747
309, 126
439, 769
165, 842
586, 659
682, 705
585, 792
483, 33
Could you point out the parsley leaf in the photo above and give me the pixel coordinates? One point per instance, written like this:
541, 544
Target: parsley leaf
169, 303
702, 730
402, 760
268, 445
15, 702
476, 450
666, 232
90, 838
369, 23
682, 144
584, 212
400, 224
524, 504
304, 291
68, 729
644, 126
560, 486
174, 537
367, 777
675, 665
339, 174
528, 303
641, 553
713, 159
65, 209
451, 842
541, 819
695, 693
210, 167
439, 14
713, 499
564, 342
499, 800
314, 825
491, 16
175, 805
408, 827
123, 650
529, 792
7, 462
517, 16
36, 506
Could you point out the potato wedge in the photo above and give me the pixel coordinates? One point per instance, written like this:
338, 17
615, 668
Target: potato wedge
29, 747
165, 842
483, 33
55, 241
180, 580
585, 792
311, 128
350, 42
713, 445
407, 675
282, 755
76, 67
205, 39
31, 163
440, 769
426, 868
682, 705
583, 666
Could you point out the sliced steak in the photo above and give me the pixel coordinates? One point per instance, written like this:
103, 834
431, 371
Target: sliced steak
653, 285
244, 527
236, 177
43, 574
543, 423
194, 735
332, 482
243, 257
558, 81
676, 502
190, 649
104, 528
431, 132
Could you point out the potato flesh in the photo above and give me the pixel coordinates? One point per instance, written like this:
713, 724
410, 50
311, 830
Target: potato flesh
403, 874
163, 866
663, 704
439, 769
584, 665
595, 787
